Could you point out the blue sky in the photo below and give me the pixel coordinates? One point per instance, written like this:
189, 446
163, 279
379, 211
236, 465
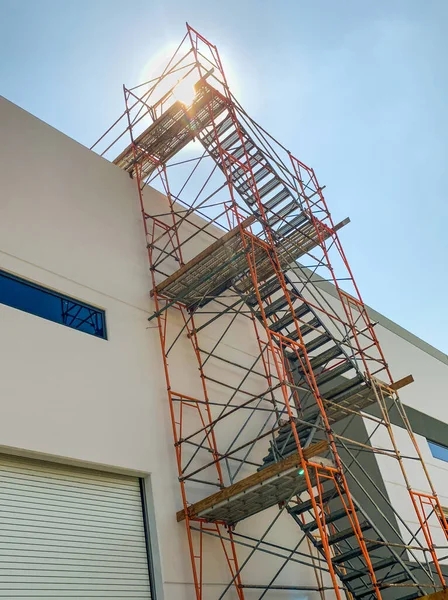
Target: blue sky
355, 88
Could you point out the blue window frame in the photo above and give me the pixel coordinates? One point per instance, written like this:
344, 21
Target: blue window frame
438, 451
43, 302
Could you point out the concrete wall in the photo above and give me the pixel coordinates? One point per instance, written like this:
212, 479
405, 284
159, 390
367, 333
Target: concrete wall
70, 220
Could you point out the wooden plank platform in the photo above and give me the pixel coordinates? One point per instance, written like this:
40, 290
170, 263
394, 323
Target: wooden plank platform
257, 492
401, 383
339, 409
173, 130
224, 264
440, 595
217, 254
359, 400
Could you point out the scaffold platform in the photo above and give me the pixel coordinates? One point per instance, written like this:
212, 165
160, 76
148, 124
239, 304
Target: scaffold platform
171, 132
224, 263
257, 492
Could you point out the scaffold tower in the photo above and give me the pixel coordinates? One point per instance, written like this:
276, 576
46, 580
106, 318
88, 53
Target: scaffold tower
247, 246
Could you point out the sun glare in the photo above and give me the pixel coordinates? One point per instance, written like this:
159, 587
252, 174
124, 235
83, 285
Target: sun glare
184, 91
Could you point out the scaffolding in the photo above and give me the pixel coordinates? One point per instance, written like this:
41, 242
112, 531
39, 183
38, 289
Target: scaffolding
246, 246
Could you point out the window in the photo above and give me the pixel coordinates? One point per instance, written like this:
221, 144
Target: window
438, 451
42, 302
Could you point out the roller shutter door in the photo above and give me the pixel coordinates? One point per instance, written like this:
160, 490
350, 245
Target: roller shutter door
70, 533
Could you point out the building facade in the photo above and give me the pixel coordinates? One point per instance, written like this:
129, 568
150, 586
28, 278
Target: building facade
89, 482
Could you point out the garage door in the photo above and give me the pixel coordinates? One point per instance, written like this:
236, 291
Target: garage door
70, 533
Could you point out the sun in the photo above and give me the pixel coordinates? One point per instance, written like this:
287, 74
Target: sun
184, 91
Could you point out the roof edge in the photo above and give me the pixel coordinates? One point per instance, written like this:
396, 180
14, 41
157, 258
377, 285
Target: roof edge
381, 319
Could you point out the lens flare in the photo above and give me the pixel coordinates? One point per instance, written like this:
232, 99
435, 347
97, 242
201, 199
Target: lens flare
184, 92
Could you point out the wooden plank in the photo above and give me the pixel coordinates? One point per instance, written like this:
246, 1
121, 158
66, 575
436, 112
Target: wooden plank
342, 224
171, 112
202, 255
397, 385
252, 480
441, 595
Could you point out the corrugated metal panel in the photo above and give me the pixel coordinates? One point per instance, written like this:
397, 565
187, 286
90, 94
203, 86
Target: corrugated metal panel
67, 532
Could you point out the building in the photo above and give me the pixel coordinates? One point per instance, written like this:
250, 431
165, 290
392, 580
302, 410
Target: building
90, 486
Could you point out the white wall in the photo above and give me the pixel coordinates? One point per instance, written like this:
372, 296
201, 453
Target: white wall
398, 493
428, 395
428, 392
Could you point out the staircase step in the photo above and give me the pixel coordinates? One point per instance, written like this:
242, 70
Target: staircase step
325, 357
224, 125
268, 187
267, 289
289, 447
355, 553
340, 536
286, 320
311, 345
265, 189
220, 129
263, 172
285, 431
275, 306
317, 342
306, 329
286, 444
276, 199
213, 144
350, 385
283, 436
243, 150
362, 593
231, 139
337, 371
331, 518
382, 564
351, 395
308, 505
289, 444
283, 212
243, 171
292, 225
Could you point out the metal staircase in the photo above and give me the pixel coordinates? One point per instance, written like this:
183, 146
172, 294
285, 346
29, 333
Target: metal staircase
240, 158
338, 376
395, 574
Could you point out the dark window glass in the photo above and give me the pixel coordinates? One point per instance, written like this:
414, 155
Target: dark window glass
438, 451
45, 303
